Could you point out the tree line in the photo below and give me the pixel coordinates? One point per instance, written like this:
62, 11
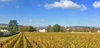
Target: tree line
88, 29
58, 28
27, 29
13, 27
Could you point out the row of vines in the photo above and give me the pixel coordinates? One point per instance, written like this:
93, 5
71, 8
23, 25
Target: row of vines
16, 41
64, 40
52, 40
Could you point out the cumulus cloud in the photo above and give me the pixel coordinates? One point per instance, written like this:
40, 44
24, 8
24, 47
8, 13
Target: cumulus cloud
83, 7
96, 4
17, 6
6, 0
68, 4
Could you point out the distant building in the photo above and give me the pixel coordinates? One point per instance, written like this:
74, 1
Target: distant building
3, 30
41, 30
4, 27
98, 31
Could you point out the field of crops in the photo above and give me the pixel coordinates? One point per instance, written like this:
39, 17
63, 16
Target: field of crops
53, 40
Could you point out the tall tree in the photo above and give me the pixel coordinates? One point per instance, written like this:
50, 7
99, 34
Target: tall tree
62, 29
31, 29
13, 26
56, 28
23, 29
27, 29
49, 28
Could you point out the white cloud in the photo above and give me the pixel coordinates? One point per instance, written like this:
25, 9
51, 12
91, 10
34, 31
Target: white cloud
68, 4
6, 0
96, 4
83, 7
17, 6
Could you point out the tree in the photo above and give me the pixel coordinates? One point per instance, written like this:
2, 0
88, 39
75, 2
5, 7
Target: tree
13, 26
31, 29
23, 29
70, 30
56, 28
27, 29
62, 29
48, 28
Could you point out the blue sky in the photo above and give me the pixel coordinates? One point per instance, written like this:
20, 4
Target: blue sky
50, 12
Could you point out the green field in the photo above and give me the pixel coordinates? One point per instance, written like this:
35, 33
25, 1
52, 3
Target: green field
52, 40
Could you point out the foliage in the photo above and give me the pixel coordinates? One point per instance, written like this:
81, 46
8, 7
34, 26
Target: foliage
62, 29
27, 29
85, 30
49, 27
31, 29
23, 29
13, 26
70, 30
56, 28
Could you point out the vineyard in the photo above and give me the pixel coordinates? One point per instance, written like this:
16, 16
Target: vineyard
52, 40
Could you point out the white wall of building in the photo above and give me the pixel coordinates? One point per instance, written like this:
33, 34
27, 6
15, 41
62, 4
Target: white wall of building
4, 30
98, 31
42, 30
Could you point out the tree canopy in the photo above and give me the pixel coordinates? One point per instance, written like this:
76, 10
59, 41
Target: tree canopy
13, 26
49, 28
56, 28
27, 29
31, 29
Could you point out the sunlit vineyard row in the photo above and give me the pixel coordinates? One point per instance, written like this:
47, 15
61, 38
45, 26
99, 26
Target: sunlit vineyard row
53, 40
65, 40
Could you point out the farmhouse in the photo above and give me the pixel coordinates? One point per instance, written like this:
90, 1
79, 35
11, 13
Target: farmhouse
41, 30
98, 31
4, 27
3, 30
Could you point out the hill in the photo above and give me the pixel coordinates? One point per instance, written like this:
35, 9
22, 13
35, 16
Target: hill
6, 25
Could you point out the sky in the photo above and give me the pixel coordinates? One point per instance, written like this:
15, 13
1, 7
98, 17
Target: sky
50, 12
